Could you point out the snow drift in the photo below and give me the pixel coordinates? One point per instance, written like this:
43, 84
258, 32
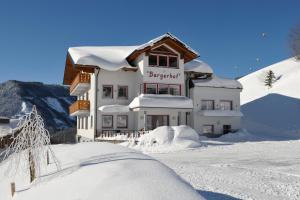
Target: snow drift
100, 171
168, 138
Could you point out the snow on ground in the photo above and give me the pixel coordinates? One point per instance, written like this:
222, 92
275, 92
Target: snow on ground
273, 110
240, 166
100, 171
167, 138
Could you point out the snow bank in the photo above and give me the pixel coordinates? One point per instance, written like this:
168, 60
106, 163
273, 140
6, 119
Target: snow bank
168, 138
100, 171
161, 101
114, 108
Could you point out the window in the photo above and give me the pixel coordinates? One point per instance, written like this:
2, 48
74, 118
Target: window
156, 60
163, 89
154, 121
207, 105
107, 92
107, 121
122, 121
207, 129
150, 88
163, 61
225, 105
173, 62
153, 60
154, 88
92, 122
123, 92
81, 123
174, 89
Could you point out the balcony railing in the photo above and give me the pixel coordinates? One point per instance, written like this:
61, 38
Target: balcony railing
80, 84
80, 107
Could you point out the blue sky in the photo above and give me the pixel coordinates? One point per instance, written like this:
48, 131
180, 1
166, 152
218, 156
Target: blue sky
35, 35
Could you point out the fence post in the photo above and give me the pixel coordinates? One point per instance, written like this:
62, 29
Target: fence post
12, 188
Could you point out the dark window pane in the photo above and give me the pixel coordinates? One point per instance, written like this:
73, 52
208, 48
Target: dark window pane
173, 62
153, 60
107, 92
107, 121
163, 89
122, 92
174, 89
150, 88
163, 61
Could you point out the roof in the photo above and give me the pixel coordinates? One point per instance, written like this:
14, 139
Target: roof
218, 82
114, 58
187, 52
198, 66
161, 101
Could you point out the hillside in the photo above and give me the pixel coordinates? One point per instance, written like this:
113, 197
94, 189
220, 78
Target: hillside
52, 101
273, 110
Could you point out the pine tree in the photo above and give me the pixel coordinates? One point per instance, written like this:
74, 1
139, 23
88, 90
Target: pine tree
270, 78
31, 143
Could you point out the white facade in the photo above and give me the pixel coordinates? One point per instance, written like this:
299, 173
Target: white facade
147, 95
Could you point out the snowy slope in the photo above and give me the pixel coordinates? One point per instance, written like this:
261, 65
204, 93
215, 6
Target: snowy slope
52, 101
273, 110
101, 171
288, 72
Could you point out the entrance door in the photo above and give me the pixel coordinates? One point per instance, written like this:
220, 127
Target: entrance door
154, 121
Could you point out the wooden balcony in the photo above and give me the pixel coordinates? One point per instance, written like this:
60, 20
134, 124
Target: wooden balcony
80, 84
80, 108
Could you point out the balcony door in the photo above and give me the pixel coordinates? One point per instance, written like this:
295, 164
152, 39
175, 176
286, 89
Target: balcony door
154, 121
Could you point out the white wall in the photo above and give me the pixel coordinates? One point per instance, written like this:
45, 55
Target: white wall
216, 94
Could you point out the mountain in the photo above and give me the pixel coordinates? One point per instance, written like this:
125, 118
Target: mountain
274, 110
52, 102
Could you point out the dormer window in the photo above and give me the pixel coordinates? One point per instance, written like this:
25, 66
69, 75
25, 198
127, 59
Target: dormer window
163, 61
163, 57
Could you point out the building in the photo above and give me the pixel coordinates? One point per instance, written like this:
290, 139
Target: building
138, 88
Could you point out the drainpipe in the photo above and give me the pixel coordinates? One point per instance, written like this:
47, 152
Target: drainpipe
96, 103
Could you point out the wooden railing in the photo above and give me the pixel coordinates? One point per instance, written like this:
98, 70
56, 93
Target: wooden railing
80, 78
79, 105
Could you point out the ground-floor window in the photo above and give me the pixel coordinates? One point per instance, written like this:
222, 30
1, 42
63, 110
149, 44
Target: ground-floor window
92, 122
122, 121
107, 121
86, 122
154, 121
226, 129
207, 129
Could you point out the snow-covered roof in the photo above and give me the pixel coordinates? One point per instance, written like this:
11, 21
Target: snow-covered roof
161, 101
197, 66
221, 113
114, 108
167, 35
110, 58
218, 82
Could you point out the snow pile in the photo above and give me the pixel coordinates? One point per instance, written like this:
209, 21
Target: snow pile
100, 171
274, 110
161, 101
218, 82
168, 138
198, 66
114, 108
